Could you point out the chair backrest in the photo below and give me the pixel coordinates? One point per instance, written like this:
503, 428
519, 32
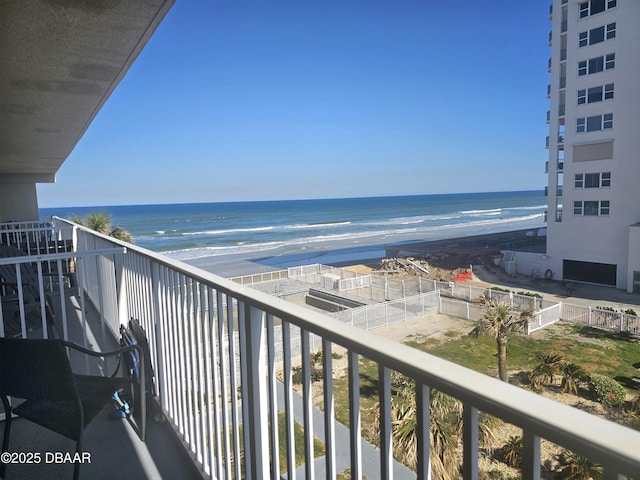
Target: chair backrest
36, 368
135, 334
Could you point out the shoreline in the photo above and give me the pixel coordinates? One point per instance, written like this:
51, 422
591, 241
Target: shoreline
239, 265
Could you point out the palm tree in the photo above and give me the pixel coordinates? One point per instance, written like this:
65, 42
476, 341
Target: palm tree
572, 374
577, 467
511, 451
101, 223
445, 428
498, 321
546, 371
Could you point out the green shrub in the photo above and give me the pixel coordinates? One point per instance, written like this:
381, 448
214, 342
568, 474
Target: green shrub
606, 309
499, 289
630, 311
529, 294
607, 390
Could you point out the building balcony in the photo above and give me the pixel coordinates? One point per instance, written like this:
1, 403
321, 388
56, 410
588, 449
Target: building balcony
223, 355
561, 110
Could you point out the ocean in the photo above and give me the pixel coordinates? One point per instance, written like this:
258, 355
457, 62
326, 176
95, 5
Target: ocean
221, 237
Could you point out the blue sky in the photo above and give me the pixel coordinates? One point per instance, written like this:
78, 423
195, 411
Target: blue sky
235, 101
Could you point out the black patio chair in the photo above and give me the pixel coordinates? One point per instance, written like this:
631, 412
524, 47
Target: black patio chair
39, 372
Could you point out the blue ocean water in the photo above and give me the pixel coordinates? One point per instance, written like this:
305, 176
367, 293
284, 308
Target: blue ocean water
206, 233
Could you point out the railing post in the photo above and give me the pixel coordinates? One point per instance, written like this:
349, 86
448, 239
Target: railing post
355, 420
470, 442
257, 462
423, 420
121, 291
530, 456
386, 446
159, 358
589, 318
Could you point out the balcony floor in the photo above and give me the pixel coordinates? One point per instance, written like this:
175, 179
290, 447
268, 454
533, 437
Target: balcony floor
115, 448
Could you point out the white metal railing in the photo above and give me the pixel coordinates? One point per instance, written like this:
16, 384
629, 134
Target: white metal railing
190, 315
34, 289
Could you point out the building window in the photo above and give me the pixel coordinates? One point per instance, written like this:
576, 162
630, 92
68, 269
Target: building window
595, 94
597, 35
595, 123
595, 6
597, 64
592, 180
608, 91
610, 61
591, 208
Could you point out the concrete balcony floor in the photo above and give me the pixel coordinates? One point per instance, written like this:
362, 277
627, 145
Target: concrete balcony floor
114, 445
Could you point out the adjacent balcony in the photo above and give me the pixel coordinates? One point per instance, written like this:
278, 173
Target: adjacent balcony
561, 110
224, 356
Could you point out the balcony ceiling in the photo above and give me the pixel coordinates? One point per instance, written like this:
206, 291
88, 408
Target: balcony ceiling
59, 62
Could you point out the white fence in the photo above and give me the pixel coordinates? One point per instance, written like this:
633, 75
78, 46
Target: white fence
604, 319
545, 317
370, 317
383, 289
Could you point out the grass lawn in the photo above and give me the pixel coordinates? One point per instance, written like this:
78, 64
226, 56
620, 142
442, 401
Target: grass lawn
596, 351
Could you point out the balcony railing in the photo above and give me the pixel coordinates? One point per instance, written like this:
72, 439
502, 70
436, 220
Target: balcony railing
223, 354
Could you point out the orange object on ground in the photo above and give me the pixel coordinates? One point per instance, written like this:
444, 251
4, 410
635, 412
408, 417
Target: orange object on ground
463, 276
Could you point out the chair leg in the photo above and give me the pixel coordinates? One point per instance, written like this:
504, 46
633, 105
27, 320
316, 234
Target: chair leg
7, 432
76, 465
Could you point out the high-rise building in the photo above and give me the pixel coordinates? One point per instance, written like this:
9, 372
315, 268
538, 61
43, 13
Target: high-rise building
593, 220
